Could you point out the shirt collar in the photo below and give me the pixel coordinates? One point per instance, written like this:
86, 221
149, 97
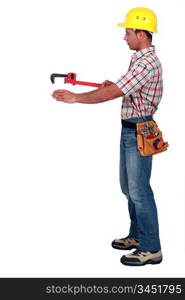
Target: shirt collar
142, 52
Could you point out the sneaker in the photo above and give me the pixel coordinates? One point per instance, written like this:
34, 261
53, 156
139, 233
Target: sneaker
127, 243
141, 258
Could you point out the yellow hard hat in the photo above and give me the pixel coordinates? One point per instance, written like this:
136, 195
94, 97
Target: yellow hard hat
140, 18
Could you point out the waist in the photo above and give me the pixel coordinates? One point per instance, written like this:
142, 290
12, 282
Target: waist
131, 123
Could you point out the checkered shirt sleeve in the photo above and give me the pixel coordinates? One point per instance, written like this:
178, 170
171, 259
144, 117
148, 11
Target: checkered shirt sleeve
135, 78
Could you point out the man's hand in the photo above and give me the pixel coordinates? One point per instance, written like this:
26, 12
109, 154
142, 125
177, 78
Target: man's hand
107, 83
64, 96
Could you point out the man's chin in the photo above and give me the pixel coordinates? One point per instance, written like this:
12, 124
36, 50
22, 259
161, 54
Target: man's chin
131, 48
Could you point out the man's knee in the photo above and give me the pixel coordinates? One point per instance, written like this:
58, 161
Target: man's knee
136, 193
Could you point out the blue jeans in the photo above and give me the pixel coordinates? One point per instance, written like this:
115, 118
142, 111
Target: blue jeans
135, 172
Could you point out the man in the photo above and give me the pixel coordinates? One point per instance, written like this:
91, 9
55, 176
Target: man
141, 88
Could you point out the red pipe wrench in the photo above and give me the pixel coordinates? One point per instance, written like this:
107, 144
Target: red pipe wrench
71, 78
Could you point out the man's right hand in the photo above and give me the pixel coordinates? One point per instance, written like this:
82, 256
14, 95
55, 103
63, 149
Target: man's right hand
106, 83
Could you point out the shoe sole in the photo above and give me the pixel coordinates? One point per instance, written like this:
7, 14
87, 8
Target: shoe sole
123, 248
136, 264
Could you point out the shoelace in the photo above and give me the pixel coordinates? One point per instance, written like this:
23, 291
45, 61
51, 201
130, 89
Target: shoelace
129, 239
138, 252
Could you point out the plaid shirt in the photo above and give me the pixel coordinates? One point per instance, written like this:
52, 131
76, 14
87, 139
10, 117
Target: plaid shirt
142, 85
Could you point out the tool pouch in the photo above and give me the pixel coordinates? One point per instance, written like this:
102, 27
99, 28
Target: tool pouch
148, 144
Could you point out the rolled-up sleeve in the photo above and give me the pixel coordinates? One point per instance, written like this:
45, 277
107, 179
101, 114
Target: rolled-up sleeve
135, 78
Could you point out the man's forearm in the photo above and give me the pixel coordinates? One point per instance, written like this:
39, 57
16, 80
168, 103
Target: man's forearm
99, 95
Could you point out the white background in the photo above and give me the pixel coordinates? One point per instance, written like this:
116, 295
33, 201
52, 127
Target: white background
60, 199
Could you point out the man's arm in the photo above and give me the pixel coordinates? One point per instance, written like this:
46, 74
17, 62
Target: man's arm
99, 95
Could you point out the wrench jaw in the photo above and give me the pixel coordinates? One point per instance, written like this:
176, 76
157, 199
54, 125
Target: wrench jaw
52, 78
54, 75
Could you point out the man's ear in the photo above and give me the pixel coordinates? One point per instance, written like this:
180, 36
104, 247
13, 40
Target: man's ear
140, 35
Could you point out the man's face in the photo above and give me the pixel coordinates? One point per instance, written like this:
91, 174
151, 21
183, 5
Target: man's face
131, 39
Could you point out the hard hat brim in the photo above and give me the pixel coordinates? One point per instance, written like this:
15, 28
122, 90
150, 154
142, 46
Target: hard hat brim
121, 25
140, 28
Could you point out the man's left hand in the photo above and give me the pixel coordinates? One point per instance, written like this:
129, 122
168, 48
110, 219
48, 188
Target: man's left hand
65, 96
